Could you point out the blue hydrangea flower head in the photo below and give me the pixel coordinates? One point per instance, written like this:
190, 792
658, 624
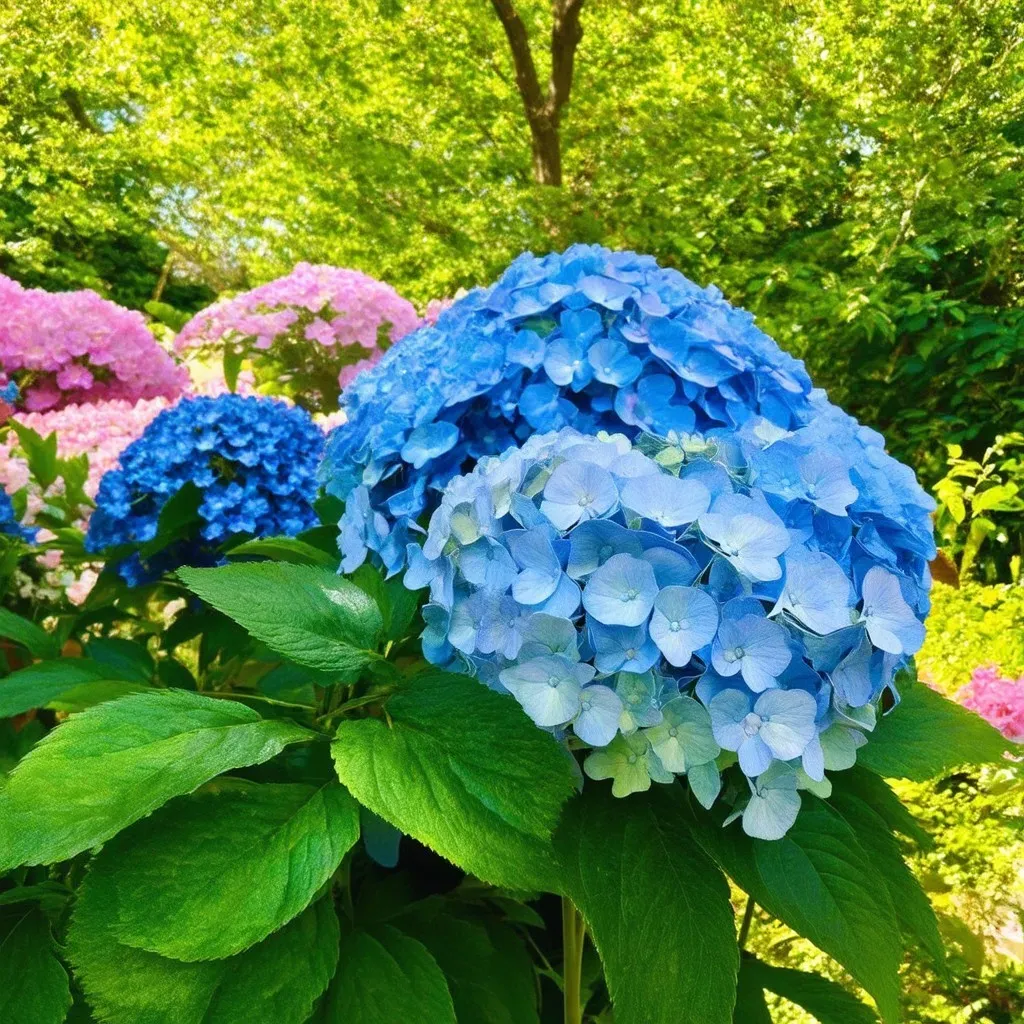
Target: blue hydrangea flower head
9, 524
680, 610
253, 461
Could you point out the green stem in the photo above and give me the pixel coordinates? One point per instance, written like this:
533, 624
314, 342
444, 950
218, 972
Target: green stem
748, 918
357, 702
573, 935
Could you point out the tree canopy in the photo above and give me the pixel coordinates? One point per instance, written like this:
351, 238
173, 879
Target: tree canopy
852, 173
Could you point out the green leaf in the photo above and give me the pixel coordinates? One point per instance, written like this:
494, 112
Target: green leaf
820, 882
926, 736
397, 604
489, 970
913, 909
463, 770
87, 695
211, 874
875, 791
33, 638
285, 549
826, 1001
177, 520
115, 763
383, 977
278, 980
655, 905
122, 659
33, 985
40, 453
751, 1007
37, 685
308, 614
16, 743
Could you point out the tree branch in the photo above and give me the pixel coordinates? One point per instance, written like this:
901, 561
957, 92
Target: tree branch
526, 71
566, 34
74, 103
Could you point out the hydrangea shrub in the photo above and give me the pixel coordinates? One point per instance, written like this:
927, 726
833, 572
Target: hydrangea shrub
998, 699
741, 603
306, 334
252, 461
68, 348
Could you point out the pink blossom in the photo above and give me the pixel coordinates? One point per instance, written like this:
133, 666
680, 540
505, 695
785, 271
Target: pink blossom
69, 348
999, 700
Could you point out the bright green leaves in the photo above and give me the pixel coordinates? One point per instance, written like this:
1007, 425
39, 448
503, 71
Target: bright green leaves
211, 874
826, 1001
928, 735
306, 613
115, 763
385, 976
486, 797
33, 638
655, 905
33, 984
277, 980
820, 881
40, 684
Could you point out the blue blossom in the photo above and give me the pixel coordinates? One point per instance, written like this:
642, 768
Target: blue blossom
890, 621
684, 620
9, 524
621, 592
575, 491
549, 687
253, 463
754, 646
748, 533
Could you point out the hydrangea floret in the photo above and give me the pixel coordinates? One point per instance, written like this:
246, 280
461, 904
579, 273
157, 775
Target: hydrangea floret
251, 459
306, 334
67, 348
10, 525
746, 605
587, 338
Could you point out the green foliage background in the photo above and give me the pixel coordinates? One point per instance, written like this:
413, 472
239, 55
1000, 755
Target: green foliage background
852, 173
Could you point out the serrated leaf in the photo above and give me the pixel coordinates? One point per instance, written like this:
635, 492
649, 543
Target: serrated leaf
913, 909
211, 874
33, 985
33, 638
277, 980
37, 685
826, 1001
115, 763
308, 614
926, 736
820, 882
463, 770
384, 976
655, 905
876, 792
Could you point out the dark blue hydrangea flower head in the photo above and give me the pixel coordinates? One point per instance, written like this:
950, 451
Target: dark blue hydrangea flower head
729, 607
9, 524
252, 459
588, 338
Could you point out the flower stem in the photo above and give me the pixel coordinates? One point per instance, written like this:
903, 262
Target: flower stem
573, 937
748, 917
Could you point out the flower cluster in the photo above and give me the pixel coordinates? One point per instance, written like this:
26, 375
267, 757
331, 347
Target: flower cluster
1000, 701
76, 347
309, 332
745, 599
9, 524
251, 460
587, 338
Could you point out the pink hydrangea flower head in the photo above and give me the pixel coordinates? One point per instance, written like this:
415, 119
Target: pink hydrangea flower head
999, 700
70, 348
307, 331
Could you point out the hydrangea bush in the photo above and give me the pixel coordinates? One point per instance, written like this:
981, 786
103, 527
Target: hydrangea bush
75, 347
998, 699
251, 461
306, 334
744, 603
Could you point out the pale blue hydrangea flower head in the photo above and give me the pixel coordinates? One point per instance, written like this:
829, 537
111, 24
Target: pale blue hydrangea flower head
728, 608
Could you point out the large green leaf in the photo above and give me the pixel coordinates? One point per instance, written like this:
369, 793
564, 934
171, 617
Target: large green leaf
751, 1007
33, 984
655, 905
463, 770
37, 685
286, 549
820, 882
306, 613
826, 1001
489, 970
277, 981
33, 638
927, 735
916, 917
115, 763
384, 977
874, 790
211, 874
